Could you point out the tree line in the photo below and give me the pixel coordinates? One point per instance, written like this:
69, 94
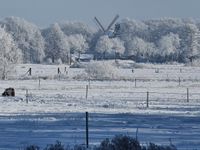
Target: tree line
158, 40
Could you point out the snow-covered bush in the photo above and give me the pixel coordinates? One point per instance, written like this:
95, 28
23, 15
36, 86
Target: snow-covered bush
102, 70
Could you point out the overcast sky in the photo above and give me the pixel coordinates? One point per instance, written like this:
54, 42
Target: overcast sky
45, 12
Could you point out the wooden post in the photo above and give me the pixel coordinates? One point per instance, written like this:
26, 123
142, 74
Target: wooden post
135, 82
65, 69
115, 57
147, 99
30, 72
39, 82
136, 134
87, 135
86, 95
58, 70
27, 96
70, 59
157, 70
187, 94
89, 82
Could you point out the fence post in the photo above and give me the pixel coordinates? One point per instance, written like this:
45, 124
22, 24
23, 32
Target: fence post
27, 96
39, 82
136, 134
87, 135
86, 95
157, 70
135, 82
59, 71
30, 71
147, 99
89, 82
65, 69
187, 94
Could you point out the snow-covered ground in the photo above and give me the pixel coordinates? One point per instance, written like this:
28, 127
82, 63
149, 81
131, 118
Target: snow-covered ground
173, 95
18, 131
167, 91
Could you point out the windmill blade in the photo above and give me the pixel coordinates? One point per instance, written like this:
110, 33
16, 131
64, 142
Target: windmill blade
99, 24
110, 25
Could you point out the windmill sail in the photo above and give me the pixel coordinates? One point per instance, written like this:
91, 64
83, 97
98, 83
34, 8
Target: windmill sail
99, 24
110, 25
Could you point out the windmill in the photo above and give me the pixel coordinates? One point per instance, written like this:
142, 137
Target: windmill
108, 31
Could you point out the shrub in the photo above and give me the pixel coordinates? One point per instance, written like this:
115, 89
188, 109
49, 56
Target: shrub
124, 142
79, 147
106, 145
102, 70
32, 147
120, 142
56, 146
153, 146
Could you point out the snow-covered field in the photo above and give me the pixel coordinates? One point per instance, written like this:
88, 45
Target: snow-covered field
54, 106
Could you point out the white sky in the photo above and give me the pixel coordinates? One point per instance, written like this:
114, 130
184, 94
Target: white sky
45, 12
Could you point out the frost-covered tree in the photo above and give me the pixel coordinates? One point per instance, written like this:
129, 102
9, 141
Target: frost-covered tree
140, 50
10, 54
118, 45
195, 45
70, 28
104, 45
57, 45
193, 41
129, 29
169, 45
28, 38
135, 47
73, 28
151, 52
78, 43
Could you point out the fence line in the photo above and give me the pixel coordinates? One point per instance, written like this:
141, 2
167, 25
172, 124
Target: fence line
146, 98
179, 79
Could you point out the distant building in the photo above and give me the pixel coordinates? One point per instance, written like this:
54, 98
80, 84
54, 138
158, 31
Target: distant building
83, 57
